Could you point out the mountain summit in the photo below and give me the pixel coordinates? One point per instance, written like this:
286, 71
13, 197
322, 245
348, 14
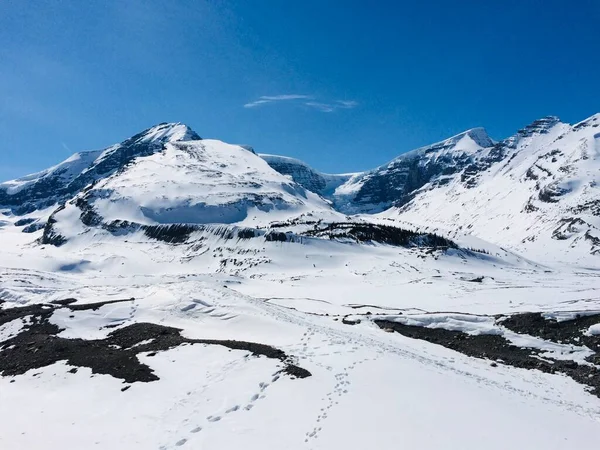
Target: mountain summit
58, 183
534, 191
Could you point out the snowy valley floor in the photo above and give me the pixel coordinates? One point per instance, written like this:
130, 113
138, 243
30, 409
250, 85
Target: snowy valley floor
317, 302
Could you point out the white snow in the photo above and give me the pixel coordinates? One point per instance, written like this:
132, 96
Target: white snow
12, 328
495, 208
67, 170
199, 182
594, 330
369, 388
478, 325
169, 132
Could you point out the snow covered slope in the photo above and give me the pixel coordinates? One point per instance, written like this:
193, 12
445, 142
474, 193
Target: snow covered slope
57, 184
536, 192
164, 175
394, 183
185, 294
156, 351
204, 181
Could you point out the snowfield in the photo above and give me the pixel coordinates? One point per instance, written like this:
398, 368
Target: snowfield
192, 294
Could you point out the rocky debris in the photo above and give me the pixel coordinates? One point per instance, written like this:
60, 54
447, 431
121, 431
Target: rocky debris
35, 226
296, 372
276, 236
23, 222
476, 280
384, 234
172, 234
496, 348
569, 227
552, 193
350, 320
176, 233
38, 345
50, 235
563, 332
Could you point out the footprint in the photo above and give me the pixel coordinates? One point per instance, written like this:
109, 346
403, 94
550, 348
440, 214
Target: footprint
213, 418
254, 398
197, 430
235, 408
180, 442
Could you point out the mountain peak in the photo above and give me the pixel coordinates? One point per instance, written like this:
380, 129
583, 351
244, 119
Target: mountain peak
539, 126
479, 135
64, 180
593, 120
165, 132
468, 141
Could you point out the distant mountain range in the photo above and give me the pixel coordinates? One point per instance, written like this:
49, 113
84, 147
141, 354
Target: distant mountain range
535, 192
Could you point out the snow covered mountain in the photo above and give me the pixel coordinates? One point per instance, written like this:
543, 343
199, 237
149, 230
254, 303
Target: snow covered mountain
174, 292
57, 184
164, 175
535, 192
395, 182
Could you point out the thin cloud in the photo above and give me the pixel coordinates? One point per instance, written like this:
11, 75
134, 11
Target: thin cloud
284, 97
347, 104
295, 98
256, 103
330, 107
324, 107
263, 99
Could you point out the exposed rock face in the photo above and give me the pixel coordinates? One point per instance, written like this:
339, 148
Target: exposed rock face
300, 172
59, 183
528, 191
320, 183
395, 183
536, 188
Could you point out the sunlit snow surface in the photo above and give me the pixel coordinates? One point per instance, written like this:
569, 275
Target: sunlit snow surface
541, 199
369, 388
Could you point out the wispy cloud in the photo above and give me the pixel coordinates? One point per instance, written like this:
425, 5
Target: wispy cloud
284, 97
325, 107
347, 104
276, 98
330, 107
300, 100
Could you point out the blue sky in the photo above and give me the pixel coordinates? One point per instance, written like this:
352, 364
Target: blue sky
344, 85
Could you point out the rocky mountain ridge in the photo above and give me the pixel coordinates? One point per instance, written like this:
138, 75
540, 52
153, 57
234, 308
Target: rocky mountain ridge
535, 190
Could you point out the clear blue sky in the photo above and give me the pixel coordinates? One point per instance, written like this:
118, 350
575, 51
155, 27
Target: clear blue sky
373, 79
